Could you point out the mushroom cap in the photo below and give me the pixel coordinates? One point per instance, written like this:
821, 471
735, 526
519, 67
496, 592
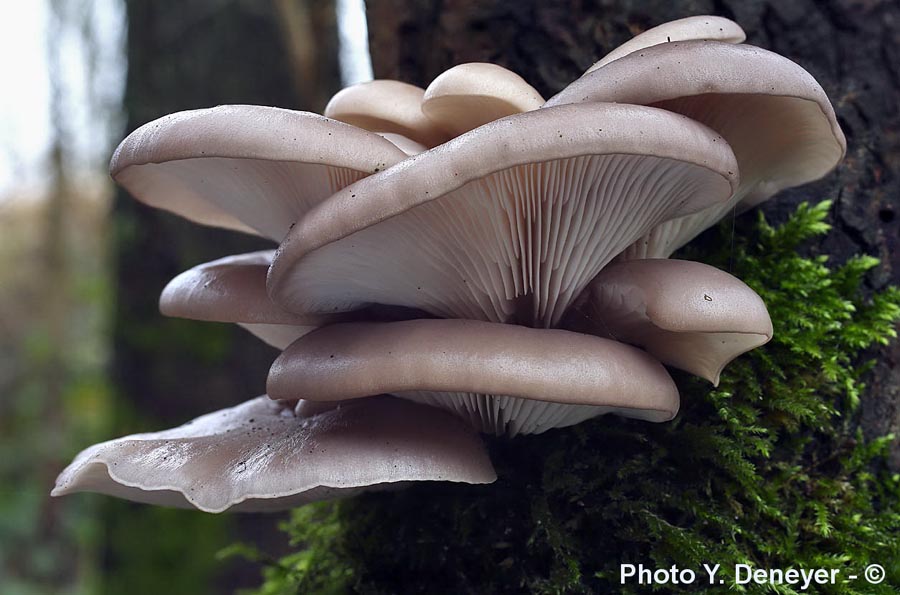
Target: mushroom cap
696, 28
503, 378
407, 145
260, 456
243, 167
385, 106
470, 95
507, 222
233, 289
687, 314
772, 112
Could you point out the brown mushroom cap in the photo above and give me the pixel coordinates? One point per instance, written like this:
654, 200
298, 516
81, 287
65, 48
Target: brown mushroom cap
771, 111
687, 314
508, 222
696, 28
259, 456
233, 289
503, 378
386, 106
249, 168
470, 95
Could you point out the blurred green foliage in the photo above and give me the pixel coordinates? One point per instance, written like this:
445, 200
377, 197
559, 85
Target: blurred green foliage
767, 469
162, 550
55, 396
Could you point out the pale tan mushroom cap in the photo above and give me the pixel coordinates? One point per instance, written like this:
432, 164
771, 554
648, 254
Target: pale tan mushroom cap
259, 456
508, 222
233, 289
772, 112
386, 106
249, 168
470, 95
407, 145
230, 289
689, 315
697, 28
542, 378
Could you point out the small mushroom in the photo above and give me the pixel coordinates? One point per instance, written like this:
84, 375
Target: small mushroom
385, 106
260, 456
702, 27
502, 378
771, 111
233, 289
508, 222
249, 168
470, 95
687, 314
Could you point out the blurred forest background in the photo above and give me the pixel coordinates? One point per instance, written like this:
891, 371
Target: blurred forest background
80, 360
84, 354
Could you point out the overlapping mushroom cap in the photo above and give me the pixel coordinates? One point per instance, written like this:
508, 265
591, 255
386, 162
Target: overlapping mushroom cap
687, 314
246, 167
470, 95
493, 216
508, 222
460, 99
233, 289
505, 379
262, 456
771, 111
385, 106
698, 28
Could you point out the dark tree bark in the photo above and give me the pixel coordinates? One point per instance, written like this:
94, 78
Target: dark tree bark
851, 46
186, 54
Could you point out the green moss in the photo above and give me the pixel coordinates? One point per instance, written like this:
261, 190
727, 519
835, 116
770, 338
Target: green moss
767, 469
156, 550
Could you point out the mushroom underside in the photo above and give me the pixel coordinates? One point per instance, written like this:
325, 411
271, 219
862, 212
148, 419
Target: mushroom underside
777, 141
516, 246
513, 416
260, 455
251, 195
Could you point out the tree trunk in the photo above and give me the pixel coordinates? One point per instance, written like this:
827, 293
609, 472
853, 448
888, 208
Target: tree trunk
852, 47
187, 54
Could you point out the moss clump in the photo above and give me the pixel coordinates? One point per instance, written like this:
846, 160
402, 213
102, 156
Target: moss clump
766, 470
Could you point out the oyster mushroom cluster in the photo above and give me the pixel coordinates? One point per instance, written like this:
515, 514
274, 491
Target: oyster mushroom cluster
467, 257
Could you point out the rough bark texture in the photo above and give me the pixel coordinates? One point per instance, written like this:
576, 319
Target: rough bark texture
187, 54
851, 46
